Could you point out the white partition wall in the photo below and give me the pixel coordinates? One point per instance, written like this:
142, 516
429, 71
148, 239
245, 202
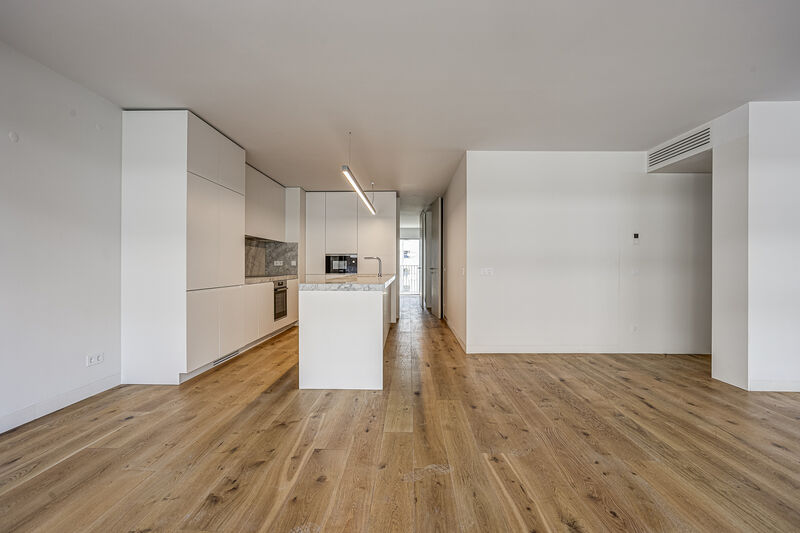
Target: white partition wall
552, 264
757, 247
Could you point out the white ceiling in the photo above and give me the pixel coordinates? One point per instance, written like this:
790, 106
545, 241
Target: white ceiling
418, 82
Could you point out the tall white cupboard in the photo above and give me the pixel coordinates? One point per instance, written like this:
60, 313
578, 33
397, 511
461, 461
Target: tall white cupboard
183, 225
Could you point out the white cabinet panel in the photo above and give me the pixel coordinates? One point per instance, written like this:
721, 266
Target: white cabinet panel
377, 234
202, 327
266, 309
231, 165
252, 294
231, 319
231, 237
258, 311
203, 149
315, 232
214, 235
341, 223
202, 233
292, 300
213, 156
265, 209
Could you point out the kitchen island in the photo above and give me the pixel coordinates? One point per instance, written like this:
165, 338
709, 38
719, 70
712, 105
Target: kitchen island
344, 322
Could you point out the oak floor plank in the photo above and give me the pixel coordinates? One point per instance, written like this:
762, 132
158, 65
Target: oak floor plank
308, 503
455, 442
392, 506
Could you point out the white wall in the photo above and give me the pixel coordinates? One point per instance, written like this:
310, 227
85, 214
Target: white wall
774, 246
556, 228
455, 253
729, 277
59, 240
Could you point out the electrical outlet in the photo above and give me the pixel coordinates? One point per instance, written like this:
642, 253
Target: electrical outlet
294, 263
95, 359
277, 263
487, 271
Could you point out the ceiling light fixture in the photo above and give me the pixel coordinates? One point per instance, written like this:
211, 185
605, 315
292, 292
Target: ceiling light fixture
352, 178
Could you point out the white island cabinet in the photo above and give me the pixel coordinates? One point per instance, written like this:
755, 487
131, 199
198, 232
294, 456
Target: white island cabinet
344, 321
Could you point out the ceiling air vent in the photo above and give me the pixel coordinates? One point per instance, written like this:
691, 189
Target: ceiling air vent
679, 149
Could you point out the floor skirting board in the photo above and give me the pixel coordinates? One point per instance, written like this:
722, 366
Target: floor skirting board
59, 401
774, 385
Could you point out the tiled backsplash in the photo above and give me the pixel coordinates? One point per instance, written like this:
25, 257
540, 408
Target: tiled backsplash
261, 255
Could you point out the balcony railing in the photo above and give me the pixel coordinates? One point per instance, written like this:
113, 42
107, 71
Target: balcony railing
409, 279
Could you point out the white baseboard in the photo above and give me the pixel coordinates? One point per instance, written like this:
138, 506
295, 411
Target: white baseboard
59, 401
774, 385
459, 339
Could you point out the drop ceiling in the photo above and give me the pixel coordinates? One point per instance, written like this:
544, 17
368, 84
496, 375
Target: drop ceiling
419, 82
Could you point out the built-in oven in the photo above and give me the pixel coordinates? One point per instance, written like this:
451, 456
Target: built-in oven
341, 264
280, 300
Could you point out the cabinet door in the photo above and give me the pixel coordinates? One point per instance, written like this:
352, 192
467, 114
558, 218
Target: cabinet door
341, 223
231, 319
265, 207
202, 328
252, 296
231, 237
202, 233
231, 164
266, 309
202, 156
377, 234
315, 232
292, 299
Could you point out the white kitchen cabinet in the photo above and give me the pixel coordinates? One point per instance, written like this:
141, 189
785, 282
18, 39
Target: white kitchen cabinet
377, 234
315, 232
213, 156
202, 328
292, 300
202, 148
231, 319
266, 309
214, 235
258, 311
265, 208
202, 233
231, 237
231, 165
341, 222
252, 294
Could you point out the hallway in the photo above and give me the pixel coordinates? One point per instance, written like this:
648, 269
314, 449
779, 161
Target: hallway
454, 442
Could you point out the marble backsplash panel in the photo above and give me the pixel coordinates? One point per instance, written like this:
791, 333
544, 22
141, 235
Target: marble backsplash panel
261, 255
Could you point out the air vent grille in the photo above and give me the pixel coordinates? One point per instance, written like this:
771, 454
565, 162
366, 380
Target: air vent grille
225, 358
681, 146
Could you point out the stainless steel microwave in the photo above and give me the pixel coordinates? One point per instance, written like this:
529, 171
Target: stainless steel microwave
341, 264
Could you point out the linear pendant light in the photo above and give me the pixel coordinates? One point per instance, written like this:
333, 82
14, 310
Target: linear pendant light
352, 179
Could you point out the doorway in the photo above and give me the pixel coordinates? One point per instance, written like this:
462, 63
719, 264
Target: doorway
410, 266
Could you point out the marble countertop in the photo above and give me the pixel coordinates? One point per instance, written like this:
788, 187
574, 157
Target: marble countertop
338, 282
265, 279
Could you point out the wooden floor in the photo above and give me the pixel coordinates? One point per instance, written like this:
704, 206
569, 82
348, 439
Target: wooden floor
453, 443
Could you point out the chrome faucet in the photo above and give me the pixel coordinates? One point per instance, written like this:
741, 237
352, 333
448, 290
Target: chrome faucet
380, 265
